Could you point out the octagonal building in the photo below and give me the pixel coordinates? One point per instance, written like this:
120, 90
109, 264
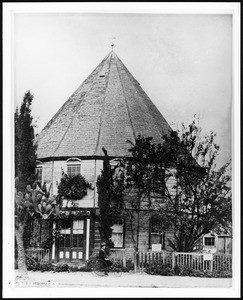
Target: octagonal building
108, 108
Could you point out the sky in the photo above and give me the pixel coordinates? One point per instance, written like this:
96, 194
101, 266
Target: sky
182, 61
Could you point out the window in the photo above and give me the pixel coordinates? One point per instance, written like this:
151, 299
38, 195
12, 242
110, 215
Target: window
73, 170
65, 240
118, 234
78, 233
72, 234
157, 235
39, 173
73, 167
209, 241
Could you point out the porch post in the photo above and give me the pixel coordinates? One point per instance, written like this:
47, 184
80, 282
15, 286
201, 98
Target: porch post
87, 239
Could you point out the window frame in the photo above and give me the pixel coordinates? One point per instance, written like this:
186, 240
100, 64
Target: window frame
62, 241
39, 166
74, 162
209, 238
160, 233
123, 233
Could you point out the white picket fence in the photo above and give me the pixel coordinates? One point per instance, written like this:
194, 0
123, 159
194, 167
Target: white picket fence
196, 261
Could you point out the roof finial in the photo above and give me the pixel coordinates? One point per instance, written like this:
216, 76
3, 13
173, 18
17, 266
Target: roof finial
112, 43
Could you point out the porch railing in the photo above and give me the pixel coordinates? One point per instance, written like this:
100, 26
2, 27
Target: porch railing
38, 254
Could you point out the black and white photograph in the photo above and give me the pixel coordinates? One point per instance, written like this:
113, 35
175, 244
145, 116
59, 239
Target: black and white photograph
121, 150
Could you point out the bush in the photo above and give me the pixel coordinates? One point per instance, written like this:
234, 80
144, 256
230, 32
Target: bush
73, 268
160, 269
166, 270
130, 264
85, 269
40, 267
186, 271
117, 264
62, 268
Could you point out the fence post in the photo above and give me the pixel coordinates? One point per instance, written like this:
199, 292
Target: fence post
211, 264
124, 258
135, 261
173, 260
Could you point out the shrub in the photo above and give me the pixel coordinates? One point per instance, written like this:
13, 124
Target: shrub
40, 267
85, 269
166, 270
160, 269
117, 264
130, 264
62, 268
73, 268
186, 271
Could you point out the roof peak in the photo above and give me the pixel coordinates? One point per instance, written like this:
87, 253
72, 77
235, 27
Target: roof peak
106, 110
112, 54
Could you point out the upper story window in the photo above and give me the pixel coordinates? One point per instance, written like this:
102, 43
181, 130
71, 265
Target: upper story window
39, 172
73, 167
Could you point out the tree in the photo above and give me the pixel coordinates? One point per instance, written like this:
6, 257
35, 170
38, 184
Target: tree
110, 200
142, 174
194, 197
25, 149
29, 202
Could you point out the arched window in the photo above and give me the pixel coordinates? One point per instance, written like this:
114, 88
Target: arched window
157, 234
73, 166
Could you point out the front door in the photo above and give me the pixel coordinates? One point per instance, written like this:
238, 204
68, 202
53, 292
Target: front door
72, 240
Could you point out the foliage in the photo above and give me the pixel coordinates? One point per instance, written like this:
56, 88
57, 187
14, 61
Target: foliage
194, 197
110, 201
73, 187
117, 265
30, 201
33, 203
25, 150
166, 270
37, 266
62, 268
130, 264
160, 269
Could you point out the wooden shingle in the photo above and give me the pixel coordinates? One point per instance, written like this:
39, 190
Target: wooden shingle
109, 108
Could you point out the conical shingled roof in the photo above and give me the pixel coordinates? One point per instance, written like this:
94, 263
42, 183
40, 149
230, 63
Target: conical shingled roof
109, 108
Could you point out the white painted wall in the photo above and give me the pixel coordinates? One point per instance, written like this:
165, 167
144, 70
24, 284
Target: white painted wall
90, 169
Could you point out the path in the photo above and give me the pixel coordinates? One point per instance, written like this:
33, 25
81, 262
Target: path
86, 279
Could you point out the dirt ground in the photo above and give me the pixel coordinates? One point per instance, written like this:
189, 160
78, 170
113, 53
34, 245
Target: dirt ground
87, 279
129, 285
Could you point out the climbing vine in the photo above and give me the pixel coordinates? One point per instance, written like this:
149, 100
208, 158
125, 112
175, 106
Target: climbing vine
73, 187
